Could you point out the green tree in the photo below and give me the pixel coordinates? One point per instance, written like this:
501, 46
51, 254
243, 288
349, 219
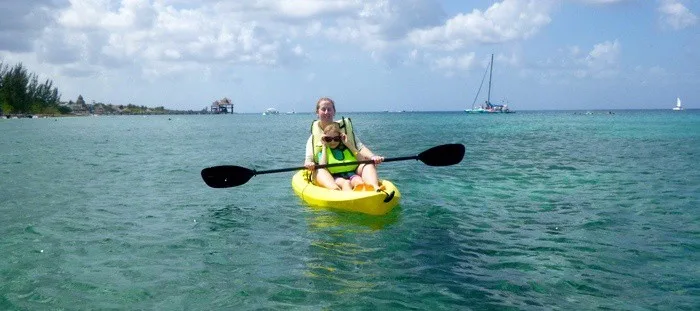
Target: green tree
13, 95
64, 110
21, 92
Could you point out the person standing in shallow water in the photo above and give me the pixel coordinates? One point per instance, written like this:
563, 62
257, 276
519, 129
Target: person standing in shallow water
325, 110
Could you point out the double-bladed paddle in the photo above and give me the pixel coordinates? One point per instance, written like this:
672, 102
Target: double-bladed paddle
226, 176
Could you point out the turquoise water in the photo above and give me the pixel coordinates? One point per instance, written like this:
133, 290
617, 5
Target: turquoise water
548, 210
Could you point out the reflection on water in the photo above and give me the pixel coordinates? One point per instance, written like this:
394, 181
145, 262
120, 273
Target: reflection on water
344, 255
323, 219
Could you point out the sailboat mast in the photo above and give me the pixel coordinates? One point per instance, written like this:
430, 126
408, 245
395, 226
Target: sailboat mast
488, 98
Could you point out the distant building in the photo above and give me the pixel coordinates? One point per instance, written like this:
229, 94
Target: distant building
223, 105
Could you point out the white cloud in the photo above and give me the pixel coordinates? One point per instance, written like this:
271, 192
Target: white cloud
313, 29
381, 26
304, 9
604, 54
503, 21
298, 50
603, 60
462, 62
676, 15
603, 1
574, 50
158, 33
600, 62
264, 32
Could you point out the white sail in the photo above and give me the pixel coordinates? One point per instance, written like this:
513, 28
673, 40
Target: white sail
678, 104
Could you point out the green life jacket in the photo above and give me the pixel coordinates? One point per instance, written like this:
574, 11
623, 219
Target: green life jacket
346, 155
317, 133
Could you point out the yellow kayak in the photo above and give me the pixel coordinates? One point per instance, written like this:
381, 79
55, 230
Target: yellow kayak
367, 202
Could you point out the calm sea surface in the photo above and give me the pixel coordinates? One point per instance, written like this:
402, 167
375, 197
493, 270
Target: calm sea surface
548, 210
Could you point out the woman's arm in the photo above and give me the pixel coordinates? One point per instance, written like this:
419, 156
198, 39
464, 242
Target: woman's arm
309, 154
366, 154
363, 153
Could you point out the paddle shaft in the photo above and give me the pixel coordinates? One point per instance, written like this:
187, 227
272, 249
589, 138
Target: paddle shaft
334, 165
226, 176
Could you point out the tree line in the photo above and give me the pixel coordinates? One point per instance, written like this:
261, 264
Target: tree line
22, 93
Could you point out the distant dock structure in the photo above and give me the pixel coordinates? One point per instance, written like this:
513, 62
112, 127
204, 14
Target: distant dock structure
223, 105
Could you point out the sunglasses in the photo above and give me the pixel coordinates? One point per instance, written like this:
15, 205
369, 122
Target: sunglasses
329, 139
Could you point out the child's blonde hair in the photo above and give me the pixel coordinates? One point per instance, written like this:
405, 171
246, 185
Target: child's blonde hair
333, 127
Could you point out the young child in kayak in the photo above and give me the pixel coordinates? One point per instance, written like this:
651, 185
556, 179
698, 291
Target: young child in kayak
336, 150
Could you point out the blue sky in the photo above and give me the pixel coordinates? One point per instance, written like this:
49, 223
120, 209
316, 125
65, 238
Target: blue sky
369, 55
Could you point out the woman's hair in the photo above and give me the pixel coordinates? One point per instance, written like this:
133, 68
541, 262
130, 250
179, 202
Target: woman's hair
324, 99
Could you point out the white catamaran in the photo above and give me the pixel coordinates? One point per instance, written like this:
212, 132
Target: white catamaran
488, 107
678, 104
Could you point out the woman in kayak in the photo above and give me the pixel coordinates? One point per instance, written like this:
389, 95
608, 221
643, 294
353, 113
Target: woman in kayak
325, 109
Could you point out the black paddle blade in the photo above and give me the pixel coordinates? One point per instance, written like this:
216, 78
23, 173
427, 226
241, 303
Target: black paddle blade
443, 155
226, 176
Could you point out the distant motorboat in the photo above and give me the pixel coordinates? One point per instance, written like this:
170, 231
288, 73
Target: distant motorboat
270, 111
678, 104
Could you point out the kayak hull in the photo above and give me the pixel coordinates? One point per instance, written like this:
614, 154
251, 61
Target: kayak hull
367, 202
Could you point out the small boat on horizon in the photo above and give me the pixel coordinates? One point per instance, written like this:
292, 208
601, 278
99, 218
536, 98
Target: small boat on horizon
271, 111
678, 104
